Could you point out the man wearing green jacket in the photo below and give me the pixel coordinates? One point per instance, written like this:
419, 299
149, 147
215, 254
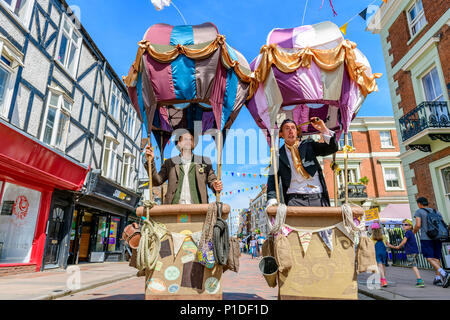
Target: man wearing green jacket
188, 175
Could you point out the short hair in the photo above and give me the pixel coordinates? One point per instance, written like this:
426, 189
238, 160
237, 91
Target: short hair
377, 234
183, 131
423, 201
287, 121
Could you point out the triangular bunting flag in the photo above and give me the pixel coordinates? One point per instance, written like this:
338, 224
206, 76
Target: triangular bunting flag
344, 29
363, 14
178, 239
196, 237
305, 239
327, 237
238, 174
341, 227
286, 231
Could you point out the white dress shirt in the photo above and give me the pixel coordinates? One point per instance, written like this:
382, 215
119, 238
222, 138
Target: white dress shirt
300, 185
185, 195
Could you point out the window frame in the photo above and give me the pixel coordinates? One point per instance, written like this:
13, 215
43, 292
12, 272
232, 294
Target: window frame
412, 23
25, 20
350, 140
401, 186
350, 166
73, 29
391, 145
426, 73
131, 115
446, 193
118, 95
111, 144
131, 165
15, 57
60, 109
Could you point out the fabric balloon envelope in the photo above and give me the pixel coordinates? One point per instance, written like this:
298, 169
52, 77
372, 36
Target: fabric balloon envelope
184, 74
309, 71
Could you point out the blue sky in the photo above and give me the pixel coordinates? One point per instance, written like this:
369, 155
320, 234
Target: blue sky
116, 27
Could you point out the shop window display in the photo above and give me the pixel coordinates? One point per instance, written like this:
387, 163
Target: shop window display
18, 216
113, 230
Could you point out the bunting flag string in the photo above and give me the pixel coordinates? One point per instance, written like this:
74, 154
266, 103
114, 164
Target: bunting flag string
238, 191
245, 174
362, 14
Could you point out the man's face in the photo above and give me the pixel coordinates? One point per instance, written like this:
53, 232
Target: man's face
186, 142
289, 133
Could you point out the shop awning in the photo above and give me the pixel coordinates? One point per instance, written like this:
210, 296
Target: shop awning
23, 158
396, 211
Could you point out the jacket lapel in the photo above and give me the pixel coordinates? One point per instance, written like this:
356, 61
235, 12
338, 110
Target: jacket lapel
283, 157
177, 161
308, 157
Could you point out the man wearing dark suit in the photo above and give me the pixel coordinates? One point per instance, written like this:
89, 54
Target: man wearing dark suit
188, 175
301, 175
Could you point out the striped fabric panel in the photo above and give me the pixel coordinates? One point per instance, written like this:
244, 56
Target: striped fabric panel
282, 37
183, 68
230, 89
159, 34
205, 32
160, 73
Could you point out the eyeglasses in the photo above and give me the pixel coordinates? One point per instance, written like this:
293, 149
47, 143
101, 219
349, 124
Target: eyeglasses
405, 224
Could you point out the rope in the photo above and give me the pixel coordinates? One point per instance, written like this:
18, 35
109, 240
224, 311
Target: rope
208, 226
349, 224
150, 243
280, 219
221, 238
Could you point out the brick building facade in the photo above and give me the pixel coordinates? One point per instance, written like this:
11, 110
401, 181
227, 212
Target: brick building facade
415, 41
376, 157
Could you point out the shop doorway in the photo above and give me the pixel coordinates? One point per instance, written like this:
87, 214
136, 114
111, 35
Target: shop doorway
57, 235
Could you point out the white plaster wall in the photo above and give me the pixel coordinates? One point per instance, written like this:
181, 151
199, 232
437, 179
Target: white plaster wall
86, 59
55, 15
101, 129
76, 107
98, 155
36, 111
74, 134
20, 109
37, 68
63, 79
11, 29
86, 112
44, 4
88, 82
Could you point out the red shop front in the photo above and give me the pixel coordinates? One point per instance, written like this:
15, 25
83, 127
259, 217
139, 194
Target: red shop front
29, 173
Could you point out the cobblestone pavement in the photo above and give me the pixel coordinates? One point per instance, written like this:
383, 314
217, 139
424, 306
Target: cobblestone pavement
248, 284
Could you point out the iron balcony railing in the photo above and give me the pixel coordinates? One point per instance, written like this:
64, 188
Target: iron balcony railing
428, 114
354, 191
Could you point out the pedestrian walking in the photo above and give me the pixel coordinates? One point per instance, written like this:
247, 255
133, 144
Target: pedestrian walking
411, 250
241, 245
427, 220
253, 244
260, 244
380, 252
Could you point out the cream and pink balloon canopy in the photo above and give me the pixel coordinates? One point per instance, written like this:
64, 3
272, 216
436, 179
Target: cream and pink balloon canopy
309, 71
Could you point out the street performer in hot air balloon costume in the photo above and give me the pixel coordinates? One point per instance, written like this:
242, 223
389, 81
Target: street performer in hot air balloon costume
301, 175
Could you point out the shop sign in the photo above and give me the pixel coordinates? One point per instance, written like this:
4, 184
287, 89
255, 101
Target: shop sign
372, 214
109, 190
